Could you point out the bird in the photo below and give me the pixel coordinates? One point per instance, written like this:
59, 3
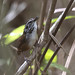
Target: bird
29, 36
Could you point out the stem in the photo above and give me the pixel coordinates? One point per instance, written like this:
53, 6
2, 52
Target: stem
58, 48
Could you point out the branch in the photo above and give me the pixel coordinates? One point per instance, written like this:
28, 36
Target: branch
57, 42
72, 50
2, 6
42, 14
58, 48
49, 18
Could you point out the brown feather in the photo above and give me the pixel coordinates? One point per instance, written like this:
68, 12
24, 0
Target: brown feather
22, 45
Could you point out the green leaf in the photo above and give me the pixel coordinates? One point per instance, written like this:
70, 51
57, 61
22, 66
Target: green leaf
49, 54
58, 66
55, 19
15, 34
39, 72
41, 68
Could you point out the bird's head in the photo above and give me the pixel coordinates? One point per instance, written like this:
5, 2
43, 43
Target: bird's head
31, 25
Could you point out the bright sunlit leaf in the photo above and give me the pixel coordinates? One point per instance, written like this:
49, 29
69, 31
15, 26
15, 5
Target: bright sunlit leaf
55, 19
49, 54
39, 72
15, 34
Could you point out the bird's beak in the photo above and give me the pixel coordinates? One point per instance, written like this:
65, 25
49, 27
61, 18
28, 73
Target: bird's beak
36, 18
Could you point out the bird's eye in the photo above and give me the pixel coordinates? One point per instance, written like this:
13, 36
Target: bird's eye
26, 27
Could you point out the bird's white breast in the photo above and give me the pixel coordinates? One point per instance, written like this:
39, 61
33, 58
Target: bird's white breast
33, 36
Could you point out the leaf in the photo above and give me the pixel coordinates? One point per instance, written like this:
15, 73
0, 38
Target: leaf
55, 19
49, 54
62, 68
39, 72
15, 34
67, 17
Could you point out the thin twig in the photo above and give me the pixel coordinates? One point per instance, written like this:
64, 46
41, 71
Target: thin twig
42, 14
73, 5
1, 14
62, 17
57, 43
58, 48
72, 50
1, 4
49, 18
40, 24
41, 57
13, 47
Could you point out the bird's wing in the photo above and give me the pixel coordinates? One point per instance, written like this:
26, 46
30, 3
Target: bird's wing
21, 41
